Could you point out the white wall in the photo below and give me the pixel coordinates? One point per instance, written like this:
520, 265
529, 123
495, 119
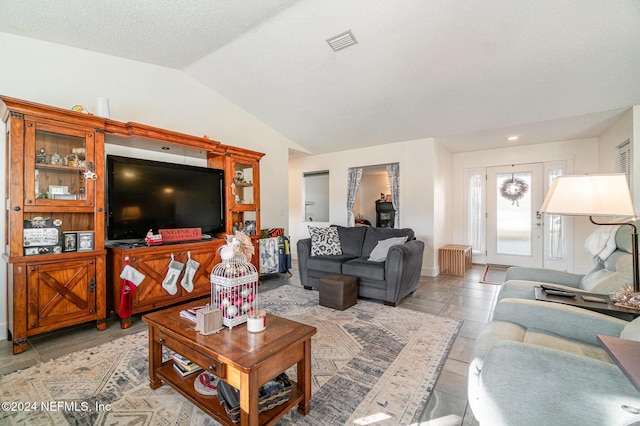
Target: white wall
416, 188
635, 143
581, 157
443, 201
62, 76
609, 141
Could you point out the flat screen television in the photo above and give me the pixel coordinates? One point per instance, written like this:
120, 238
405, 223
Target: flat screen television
145, 194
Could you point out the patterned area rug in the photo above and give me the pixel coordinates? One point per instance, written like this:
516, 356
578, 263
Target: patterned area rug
368, 360
494, 274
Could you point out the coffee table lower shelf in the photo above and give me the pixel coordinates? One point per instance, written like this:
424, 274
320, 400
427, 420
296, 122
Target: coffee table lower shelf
211, 405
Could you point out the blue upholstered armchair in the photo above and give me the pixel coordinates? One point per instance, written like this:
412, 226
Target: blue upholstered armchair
610, 274
539, 363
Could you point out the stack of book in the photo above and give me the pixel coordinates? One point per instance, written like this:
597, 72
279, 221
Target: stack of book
184, 366
190, 314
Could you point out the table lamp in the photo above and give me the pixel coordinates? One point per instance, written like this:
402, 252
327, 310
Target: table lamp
595, 195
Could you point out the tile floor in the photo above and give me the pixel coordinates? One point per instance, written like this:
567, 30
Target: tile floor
463, 298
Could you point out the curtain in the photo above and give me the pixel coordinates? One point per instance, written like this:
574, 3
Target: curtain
393, 171
476, 209
354, 182
555, 229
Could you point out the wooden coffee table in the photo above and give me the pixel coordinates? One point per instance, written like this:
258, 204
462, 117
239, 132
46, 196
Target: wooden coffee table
244, 360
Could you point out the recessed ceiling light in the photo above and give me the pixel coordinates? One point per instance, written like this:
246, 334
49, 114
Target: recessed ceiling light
512, 138
342, 41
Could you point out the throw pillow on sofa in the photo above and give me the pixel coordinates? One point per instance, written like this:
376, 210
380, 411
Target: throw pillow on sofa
379, 252
325, 241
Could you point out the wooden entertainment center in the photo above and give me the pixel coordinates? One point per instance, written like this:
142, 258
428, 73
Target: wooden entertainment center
55, 188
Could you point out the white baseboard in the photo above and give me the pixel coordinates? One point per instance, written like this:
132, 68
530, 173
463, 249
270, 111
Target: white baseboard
429, 272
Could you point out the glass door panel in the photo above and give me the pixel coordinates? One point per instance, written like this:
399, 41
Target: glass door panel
58, 158
59, 168
513, 208
243, 181
514, 228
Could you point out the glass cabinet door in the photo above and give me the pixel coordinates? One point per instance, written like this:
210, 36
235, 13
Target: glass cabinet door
243, 184
58, 159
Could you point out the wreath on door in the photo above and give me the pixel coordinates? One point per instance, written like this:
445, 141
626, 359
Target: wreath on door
514, 189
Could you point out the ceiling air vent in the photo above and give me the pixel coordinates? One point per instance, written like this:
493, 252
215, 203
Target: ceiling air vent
342, 41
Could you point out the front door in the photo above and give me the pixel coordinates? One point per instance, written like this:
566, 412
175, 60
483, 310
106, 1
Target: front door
514, 227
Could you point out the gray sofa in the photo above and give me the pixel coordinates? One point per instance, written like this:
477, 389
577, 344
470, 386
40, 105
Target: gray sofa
540, 363
389, 281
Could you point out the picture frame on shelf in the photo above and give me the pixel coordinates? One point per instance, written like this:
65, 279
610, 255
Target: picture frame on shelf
85, 241
69, 241
58, 190
64, 196
42, 236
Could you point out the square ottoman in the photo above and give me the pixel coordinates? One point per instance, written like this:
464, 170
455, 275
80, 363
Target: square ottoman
338, 291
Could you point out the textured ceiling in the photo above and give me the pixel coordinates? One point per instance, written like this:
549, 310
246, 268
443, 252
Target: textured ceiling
467, 72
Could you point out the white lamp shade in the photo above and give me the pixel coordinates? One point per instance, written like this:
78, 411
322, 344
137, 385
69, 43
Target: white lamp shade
589, 195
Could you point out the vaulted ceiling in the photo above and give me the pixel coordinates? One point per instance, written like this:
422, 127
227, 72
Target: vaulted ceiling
470, 73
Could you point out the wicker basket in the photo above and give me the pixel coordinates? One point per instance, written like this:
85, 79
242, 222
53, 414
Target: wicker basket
265, 402
234, 289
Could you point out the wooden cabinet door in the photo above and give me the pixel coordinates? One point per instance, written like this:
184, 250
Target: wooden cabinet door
60, 293
154, 266
57, 157
208, 259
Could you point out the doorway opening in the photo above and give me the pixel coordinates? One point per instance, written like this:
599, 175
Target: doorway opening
374, 204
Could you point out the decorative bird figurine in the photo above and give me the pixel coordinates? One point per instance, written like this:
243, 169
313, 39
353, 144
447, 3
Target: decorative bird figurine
229, 250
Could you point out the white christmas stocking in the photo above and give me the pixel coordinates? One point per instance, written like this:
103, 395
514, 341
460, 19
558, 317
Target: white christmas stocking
171, 279
189, 272
131, 274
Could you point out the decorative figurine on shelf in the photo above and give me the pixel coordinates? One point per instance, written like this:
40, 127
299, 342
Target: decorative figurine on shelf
80, 108
71, 160
41, 158
56, 160
382, 197
250, 227
229, 250
152, 239
80, 157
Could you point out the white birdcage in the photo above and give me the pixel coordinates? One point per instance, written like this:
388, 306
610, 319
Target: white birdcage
234, 289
